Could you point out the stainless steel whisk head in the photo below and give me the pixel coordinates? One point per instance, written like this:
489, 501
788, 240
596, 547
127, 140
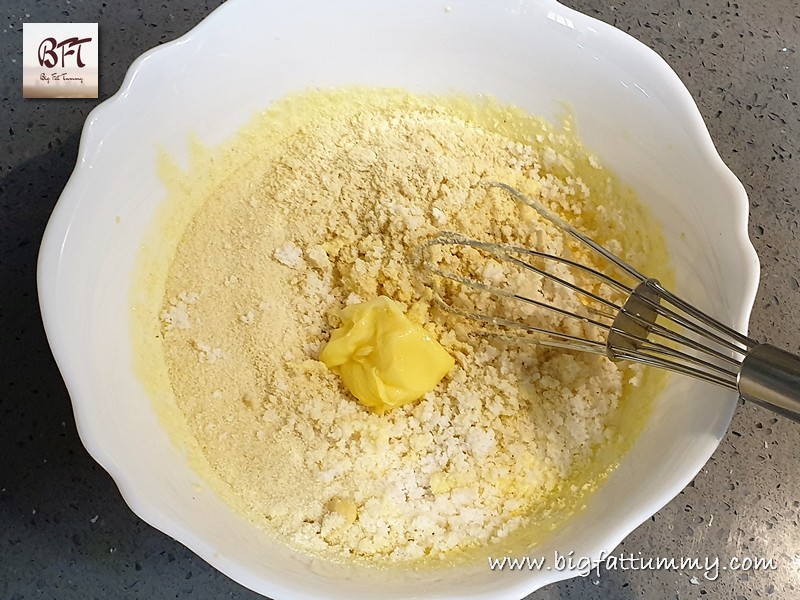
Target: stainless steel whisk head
624, 316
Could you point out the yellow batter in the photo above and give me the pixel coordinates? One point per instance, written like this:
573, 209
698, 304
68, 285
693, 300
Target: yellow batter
315, 207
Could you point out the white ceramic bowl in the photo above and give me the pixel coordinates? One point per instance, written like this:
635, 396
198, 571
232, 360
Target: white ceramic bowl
631, 109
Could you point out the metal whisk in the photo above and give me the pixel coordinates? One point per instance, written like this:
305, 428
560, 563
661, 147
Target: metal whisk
640, 321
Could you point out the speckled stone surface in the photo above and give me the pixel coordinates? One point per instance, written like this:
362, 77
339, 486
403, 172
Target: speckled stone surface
65, 531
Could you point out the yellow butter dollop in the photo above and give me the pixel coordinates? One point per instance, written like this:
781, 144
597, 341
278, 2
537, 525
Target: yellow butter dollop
383, 358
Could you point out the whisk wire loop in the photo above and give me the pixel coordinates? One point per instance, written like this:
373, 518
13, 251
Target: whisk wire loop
639, 321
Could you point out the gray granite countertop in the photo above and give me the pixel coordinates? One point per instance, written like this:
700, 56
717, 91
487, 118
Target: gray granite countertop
65, 531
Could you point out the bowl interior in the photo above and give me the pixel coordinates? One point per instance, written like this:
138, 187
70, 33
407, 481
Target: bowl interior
630, 109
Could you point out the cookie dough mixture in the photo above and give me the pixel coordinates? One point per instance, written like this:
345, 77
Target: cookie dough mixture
322, 203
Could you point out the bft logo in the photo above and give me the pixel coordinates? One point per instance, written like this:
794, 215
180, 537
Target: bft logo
59, 60
48, 57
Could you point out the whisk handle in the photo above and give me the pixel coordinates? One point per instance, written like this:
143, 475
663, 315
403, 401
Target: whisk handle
770, 377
